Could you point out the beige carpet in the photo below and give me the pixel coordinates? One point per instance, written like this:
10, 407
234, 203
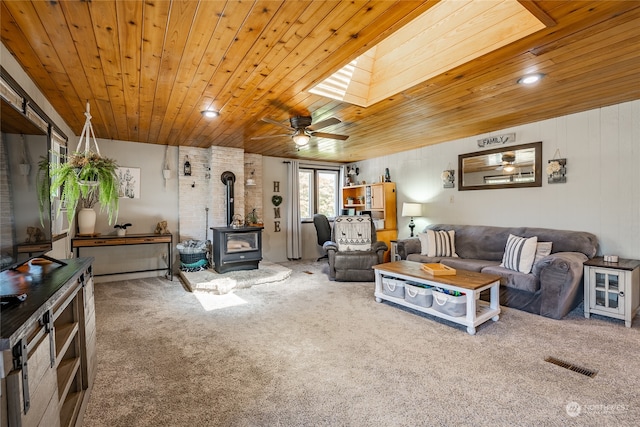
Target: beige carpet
309, 352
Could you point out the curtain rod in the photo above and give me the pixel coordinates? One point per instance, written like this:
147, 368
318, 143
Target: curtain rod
316, 165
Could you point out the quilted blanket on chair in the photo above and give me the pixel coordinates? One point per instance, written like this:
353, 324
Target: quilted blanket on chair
353, 233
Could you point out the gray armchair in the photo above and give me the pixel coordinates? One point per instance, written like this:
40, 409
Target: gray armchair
353, 249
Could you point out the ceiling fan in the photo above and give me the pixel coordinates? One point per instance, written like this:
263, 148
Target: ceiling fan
302, 129
508, 160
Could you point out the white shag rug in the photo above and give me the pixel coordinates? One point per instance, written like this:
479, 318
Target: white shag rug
216, 283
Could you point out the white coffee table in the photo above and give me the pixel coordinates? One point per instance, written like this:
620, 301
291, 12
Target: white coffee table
468, 282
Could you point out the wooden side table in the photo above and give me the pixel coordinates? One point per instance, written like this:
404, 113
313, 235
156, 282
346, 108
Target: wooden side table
612, 288
394, 251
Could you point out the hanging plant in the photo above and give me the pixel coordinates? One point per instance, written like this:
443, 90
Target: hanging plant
42, 185
86, 177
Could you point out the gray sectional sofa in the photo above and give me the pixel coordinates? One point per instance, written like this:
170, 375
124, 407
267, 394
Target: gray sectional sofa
552, 289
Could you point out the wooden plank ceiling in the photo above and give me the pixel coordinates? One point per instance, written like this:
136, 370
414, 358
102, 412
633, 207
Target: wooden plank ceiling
149, 68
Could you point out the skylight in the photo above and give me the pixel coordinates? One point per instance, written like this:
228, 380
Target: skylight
335, 87
451, 33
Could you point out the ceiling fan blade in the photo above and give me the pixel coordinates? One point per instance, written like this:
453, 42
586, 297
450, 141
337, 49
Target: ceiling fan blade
275, 122
329, 135
324, 123
269, 136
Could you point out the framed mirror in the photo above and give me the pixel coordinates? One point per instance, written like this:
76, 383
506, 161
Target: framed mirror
515, 166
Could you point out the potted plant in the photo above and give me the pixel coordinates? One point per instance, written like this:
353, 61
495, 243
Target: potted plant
88, 178
122, 228
252, 218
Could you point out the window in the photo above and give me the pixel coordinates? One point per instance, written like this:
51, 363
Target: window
319, 193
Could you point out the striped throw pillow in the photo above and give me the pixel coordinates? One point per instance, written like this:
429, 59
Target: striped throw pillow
438, 243
519, 253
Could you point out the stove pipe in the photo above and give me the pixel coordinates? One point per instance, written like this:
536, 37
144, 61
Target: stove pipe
228, 178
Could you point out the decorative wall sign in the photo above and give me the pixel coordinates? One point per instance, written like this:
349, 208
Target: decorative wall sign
497, 140
276, 200
448, 178
129, 179
557, 171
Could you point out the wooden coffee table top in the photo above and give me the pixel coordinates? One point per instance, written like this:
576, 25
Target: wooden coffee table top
463, 278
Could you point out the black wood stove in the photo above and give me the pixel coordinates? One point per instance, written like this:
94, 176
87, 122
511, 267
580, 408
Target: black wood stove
235, 248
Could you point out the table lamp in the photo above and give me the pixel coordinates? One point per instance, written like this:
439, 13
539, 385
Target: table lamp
411, 210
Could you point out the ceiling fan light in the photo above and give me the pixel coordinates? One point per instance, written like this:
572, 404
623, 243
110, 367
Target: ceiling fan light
301, 138
509, 168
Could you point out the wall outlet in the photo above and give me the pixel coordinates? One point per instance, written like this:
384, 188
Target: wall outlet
450, 199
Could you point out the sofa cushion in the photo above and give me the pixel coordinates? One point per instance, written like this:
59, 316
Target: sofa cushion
514, 279
438, 243
488, 242
423, 258
468, 264
565, 240
479, 241
519, 253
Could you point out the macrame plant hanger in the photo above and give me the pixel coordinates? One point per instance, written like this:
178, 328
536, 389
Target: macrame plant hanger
85, 137
87, 134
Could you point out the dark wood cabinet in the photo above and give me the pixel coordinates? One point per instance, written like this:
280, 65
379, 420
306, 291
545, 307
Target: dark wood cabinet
48, 346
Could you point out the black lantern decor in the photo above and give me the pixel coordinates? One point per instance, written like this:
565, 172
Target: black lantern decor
187, 167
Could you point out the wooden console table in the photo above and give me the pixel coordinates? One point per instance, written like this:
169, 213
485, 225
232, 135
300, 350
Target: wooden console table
129, 239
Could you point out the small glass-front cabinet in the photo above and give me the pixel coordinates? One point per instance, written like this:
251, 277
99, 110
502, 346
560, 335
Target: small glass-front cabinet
612, 289
606, 293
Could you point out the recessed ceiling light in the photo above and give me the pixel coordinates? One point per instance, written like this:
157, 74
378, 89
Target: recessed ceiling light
210, 114
530, 79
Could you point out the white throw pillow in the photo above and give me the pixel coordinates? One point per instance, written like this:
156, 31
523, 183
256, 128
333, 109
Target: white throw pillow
542, 250
438, 243
519, 253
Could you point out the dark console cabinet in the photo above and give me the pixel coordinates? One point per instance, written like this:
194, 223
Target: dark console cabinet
48, 345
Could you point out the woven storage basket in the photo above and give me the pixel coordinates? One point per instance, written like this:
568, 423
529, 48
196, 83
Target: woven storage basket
193, 261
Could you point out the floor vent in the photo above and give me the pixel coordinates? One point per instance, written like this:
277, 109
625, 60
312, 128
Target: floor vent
570, 366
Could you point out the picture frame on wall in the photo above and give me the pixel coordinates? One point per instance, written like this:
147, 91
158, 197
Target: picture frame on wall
129, 179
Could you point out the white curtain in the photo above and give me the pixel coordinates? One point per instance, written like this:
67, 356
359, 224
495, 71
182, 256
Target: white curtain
294, 235
343, 176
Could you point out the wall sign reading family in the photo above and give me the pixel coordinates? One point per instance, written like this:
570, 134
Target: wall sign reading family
497, 140
129, 179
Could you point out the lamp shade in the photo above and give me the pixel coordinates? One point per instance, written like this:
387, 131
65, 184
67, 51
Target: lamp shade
411, 209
